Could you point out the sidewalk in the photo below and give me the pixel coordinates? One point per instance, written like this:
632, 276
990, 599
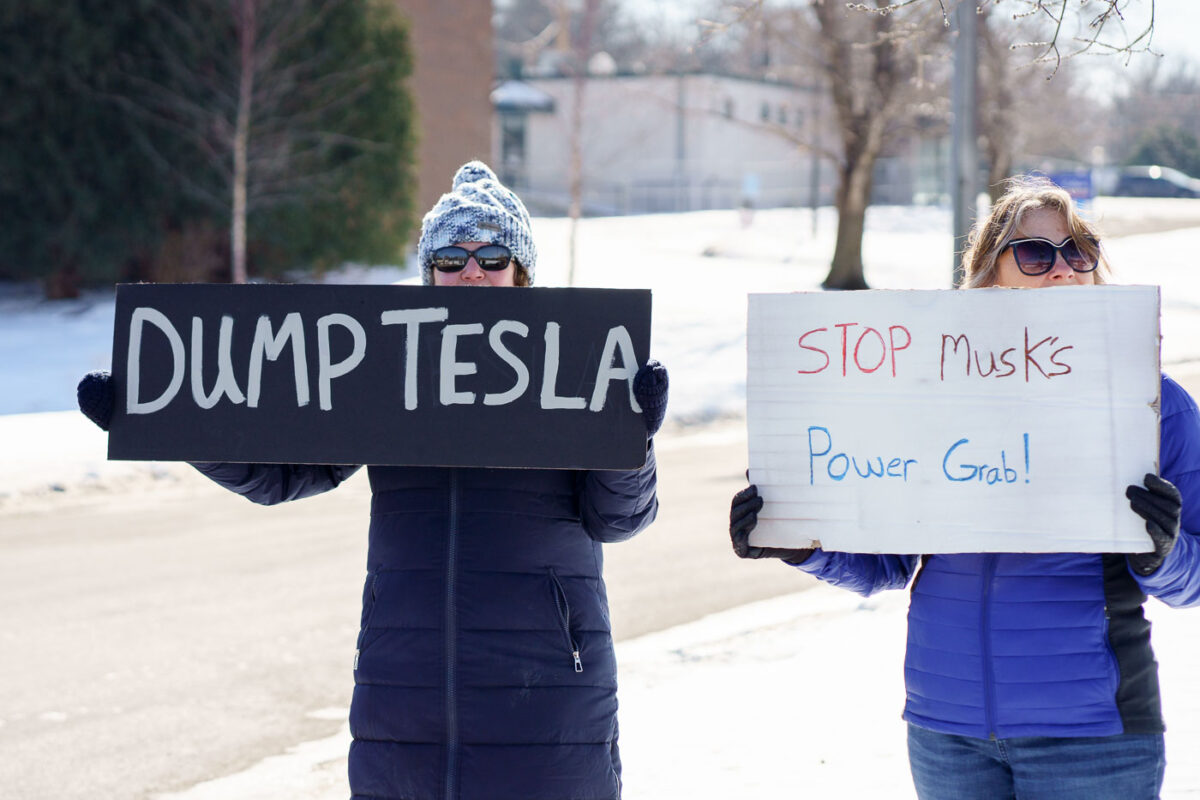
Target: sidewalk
799, 696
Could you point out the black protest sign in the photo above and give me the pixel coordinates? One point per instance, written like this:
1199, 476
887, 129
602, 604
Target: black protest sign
417, 375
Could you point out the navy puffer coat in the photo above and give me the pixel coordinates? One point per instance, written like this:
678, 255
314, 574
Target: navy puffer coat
485, 666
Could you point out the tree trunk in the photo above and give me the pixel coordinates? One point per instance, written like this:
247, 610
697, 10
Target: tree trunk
853, 195
62, 283
582, 50
241, 137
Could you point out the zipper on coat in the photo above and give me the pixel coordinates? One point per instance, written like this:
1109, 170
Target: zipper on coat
985, 650
362, 635
451, 622
564, 618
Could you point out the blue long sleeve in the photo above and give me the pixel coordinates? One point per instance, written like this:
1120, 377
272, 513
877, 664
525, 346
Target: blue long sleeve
861, 573
616, 505
1177, 581
269, 484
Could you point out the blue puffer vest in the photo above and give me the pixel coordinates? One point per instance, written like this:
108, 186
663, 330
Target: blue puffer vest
1039, 644
485, 666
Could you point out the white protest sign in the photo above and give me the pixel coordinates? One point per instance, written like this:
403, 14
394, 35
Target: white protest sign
988, 420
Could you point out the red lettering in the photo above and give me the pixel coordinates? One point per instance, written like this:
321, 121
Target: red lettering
1029, 359
844, 326
882, 351
892, 338
1004, 360
955, 339
1066, 367
803, 346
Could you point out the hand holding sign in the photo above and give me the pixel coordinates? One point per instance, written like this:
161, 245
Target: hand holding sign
650, 388
97, 397
1161, 505
743, 517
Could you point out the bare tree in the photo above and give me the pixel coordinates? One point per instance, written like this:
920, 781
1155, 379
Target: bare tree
1059, 29
873, 66
250, 93
581, 52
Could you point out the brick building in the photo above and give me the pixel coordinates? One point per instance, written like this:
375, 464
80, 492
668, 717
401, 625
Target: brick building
451, 83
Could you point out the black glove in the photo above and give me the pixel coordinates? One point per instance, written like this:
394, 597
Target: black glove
1160, 505
97, 396
743, 517
650, 389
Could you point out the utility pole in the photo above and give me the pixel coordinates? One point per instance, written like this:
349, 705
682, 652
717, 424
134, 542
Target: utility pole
964, 160
814, 163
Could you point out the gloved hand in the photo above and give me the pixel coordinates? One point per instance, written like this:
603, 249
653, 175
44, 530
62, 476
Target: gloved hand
1161, 506
650, 389
743, 517
97, 395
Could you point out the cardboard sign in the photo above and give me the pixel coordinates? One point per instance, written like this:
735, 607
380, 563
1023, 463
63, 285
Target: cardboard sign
988, 420
380, 375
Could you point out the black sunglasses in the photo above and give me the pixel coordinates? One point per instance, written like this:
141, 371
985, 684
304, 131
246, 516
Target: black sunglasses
452, 258
1036, 256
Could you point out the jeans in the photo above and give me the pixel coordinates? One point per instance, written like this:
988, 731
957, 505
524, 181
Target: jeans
949, 767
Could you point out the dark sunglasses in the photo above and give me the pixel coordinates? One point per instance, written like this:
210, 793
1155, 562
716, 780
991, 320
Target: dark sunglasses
1036, 256
452, 258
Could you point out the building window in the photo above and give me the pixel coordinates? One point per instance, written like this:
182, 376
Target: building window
798, 118
764, 113
512, 147
782, 115
728, 108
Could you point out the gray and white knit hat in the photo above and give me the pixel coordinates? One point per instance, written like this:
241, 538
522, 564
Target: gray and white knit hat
478, 208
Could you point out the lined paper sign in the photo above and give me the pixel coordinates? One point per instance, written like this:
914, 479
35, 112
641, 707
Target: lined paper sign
989, 420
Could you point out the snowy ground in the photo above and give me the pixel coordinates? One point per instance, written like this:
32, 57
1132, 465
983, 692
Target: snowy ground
795, 697
699, 265
798, 696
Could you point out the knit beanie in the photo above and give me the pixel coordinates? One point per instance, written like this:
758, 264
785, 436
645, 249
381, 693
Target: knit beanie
478, 208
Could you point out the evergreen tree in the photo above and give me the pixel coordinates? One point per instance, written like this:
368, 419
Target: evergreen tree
78, 199
121, 146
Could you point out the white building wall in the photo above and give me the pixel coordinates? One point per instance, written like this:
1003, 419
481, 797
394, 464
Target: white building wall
658, 143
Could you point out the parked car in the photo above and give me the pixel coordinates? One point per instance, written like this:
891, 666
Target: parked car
1153, 181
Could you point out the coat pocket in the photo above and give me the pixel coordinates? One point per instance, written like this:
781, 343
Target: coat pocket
563, 607
370, 593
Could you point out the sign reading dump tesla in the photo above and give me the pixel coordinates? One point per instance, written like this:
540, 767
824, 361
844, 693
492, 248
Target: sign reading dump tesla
380, 375
989, 420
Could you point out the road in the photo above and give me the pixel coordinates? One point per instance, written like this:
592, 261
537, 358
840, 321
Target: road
173, 633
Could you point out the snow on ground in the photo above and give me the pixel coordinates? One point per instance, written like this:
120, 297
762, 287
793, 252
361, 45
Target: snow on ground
797, 696
699, 265
794, 697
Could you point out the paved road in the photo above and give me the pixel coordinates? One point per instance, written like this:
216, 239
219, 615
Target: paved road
157, 638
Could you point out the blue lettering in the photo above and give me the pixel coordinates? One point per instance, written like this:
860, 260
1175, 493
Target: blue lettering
812, 454
845, 466
985, 473
839, 464
946, 459
870, 473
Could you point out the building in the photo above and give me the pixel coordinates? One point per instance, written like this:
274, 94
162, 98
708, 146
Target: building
452, 77
665, 142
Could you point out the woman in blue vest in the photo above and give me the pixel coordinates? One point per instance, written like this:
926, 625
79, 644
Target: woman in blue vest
485, 666
1030, 675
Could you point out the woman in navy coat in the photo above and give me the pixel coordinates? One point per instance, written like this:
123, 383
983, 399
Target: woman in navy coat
484, 668
1030, 675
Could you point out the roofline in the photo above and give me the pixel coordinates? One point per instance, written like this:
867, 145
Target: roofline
673, 74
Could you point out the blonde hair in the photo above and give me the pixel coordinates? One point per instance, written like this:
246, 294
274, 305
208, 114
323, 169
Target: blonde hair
990, 236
